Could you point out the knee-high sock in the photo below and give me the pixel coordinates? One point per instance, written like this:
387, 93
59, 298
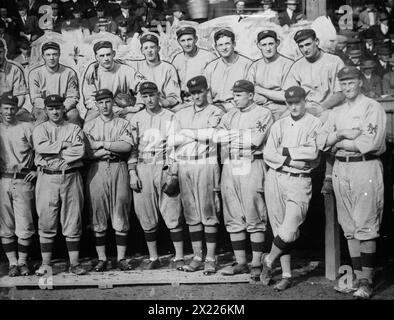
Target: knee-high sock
368, 252
177, 239
257, 242
196, 237
9, 246
121, 244
46, 245
151, 242
210, 239
354, 246
23, 250
285, 262
277, 248
238, 241
73, 250
99, 238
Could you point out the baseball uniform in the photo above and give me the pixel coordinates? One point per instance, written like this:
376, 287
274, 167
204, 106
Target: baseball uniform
12, 79
164, 75
107, 185
288, 190
17, 196
199, 171
221, 76
270, 75
189, 67
243, 176
358, 176
59, 189
149, 156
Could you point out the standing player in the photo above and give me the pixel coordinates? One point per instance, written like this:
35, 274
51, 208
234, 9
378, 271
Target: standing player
53, 78
192, 60
222, 72
198, 173
291, 153
316, 72
269, 74
107, 183
356, 132
16, 186
148, 168
59, 147
158, 71
106, 73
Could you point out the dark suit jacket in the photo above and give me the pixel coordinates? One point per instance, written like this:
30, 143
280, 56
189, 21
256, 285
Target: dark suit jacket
285, 19
11, 46
380, 70
30, 26
372, 88
134, 23
91, 9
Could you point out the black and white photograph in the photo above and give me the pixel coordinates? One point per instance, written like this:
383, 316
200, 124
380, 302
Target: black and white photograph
195, 155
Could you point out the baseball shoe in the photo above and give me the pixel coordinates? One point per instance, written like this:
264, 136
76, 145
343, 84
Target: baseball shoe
234, 269
209, 267
124, 265
193, 266
266, 273
283, 284
153, 264
327, 186
14, 271
77, 269
346, 290
177, 264
364, 291
101, 266
43, 270
24, 270
255, 272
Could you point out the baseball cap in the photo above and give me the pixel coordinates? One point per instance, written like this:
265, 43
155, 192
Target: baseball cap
223, 33
243, 86
148, 87
102, 44
197, 83
185, 30
9, 99
295, 94
349, 73
50, 45
304, 34
149, 37
265, 34
53, 100
103, 94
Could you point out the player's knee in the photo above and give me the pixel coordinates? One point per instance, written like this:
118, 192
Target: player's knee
288, 236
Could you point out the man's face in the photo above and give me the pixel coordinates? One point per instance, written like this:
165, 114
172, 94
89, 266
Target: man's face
178, 14
384, 57
77, 15
292, 7
309, 47
390, 3
105, 57
151, 100
187, 42
105, 106
355, 60
297, 109
22, 12
100, 14
368, 71
225, 46
351, 88
242, 99
55, 113
51, 57
200, 97
3, 12
150, 50
240, 6
8, 112
268, 47
2, 55
267, 7
340, 45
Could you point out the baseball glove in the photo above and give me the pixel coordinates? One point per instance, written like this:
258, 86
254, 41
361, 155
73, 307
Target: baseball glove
171, 184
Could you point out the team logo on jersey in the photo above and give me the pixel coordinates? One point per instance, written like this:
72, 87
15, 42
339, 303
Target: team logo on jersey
291, 93
372, 129
78, 138
53, 98
193, 82
260, 126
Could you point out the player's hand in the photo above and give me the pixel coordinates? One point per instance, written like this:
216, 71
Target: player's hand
349, 134
135, 182
96, 145
301, 165
31, 176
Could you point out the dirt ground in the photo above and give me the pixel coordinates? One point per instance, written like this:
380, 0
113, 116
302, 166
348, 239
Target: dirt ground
308, 285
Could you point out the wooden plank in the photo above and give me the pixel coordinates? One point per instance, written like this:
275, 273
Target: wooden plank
332, 239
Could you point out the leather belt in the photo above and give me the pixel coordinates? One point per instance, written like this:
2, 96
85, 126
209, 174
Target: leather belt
13, 175
46, 171
254, 157
366, 157
292, 174
194, 157
109, 160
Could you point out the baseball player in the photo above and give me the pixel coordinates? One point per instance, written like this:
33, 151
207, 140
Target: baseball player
222, 72
242, 131
16, 186
198, 173
269, 73
149, 168
106, 73
13, 82
158, 71
107, 185
192, 60
291, 153
50, 78
316, 72
356, 131
59, 147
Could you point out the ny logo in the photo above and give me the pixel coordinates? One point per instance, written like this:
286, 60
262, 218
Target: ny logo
372, 129
260, 126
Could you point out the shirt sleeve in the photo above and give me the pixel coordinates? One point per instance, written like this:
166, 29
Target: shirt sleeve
89, 86
77, 150
292, 78
42, 143
272, 157
35, 91
125, 133
19, 83
72, 91
325, 130
261, 131
134, 130
172, 90
338, 66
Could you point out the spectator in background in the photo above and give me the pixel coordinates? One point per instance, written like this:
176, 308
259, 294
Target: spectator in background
10, 24
382, 66
290, 15
381, 31
102, 22
57, 20
24, 57
341, 47
9, 41
372, 83
178, 14
388, 79
33, 6
27, 24
92, 5
128, 23
355, 58
368, 17
368, 44
266, 10
388, 9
